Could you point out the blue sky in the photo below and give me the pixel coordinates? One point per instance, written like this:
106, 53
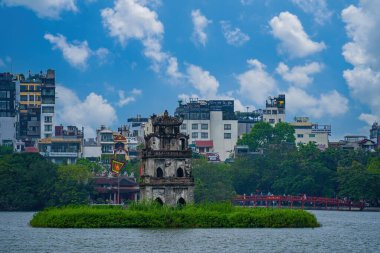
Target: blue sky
116, 59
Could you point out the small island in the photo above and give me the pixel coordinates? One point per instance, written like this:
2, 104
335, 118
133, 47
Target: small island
152, 215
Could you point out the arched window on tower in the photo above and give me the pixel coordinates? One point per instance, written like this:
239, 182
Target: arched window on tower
179, 172
181, 202
159, 172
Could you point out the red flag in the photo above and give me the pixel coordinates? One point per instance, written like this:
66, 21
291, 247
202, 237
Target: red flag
116, 166
141, 169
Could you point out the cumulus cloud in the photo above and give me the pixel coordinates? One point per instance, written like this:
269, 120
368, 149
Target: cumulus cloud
294, 41
202, 80
200, 23
256, 84
233, 35
362, 52
207, 86
124, 100
76, 53
45, 8
172, 69
71, 110
330, 104
369, 118
299, 75
317, 8
132, 19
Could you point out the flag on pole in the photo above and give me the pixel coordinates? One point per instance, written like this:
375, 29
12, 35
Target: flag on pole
116, 166
141, 169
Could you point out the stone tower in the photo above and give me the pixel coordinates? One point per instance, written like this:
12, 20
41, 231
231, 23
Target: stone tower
166, 163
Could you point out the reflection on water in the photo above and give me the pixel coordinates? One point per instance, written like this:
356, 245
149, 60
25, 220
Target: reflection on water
340, 232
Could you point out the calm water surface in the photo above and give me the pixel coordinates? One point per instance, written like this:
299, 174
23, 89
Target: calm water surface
340, 232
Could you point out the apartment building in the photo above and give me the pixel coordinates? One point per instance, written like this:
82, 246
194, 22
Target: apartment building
8, 112
210, 124
274, 111
36, 106
66, 146
306, 131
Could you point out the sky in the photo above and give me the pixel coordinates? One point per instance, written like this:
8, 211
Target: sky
116, 59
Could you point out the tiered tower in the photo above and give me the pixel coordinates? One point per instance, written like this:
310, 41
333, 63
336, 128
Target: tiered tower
166, 163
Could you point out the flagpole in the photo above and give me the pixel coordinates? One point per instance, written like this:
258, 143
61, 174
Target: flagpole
118, 188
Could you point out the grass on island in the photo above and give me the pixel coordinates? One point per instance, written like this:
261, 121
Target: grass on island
150, 215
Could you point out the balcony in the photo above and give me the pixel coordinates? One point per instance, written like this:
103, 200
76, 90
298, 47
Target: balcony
60, 154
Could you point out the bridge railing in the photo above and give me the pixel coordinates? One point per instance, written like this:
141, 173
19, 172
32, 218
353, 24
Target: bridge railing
290, 201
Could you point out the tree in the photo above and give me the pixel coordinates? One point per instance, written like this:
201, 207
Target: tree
73, 185
212, 182
26, 181
263, 135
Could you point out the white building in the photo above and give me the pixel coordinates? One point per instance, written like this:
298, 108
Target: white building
211, 125
274, 111
306, 132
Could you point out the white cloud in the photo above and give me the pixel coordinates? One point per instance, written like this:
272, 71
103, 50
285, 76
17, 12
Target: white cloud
45, 8
299, 75
363, 80
294, 40
172, 69
200, 23
369, 118
233, 35
132, 19
256, 84
207, 86
202, 80
90, 113
76, 53
124, 100
136, 91
331, 103
317, 8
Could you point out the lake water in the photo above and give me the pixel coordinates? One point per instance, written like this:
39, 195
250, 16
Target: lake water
340, 232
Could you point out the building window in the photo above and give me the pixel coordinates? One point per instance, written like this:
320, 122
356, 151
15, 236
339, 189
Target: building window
24, 98
31, 98
312, 135
194, 135
271, 121
299, 135
48, 119
194, 126
227, 126
48, 128
204, 126
48, 109
183, 126
227, 135
204, 135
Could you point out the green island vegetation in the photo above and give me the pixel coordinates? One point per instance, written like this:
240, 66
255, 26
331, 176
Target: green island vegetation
29, 182
151, 215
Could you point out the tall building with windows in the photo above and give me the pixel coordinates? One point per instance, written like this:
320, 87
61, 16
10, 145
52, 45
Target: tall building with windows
36, 105
274, 111
210, 124
306, 132
8, 112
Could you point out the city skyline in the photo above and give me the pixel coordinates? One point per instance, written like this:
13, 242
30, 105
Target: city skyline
116, 59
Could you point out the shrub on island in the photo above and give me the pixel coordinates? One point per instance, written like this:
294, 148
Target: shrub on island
150, 215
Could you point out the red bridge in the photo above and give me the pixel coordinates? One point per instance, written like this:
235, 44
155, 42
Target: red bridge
291, 201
